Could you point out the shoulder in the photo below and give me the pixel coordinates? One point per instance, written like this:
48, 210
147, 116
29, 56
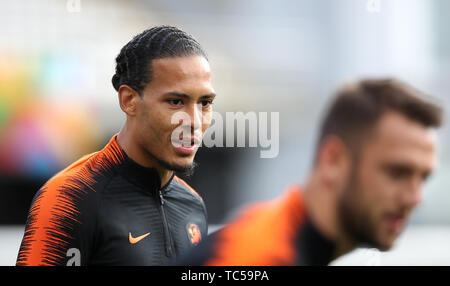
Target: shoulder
70, 188
85, 175
62, 214
286, 207
262, 234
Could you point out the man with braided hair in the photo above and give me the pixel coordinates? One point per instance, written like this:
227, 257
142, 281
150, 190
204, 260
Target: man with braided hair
123, 205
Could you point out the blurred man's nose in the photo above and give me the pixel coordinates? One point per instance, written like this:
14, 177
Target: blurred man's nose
412, 195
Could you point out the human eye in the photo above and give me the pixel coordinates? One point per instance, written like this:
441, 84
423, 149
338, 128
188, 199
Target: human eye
206, 103
175, 102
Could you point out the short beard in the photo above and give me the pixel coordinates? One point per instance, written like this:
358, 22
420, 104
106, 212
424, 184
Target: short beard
185, 171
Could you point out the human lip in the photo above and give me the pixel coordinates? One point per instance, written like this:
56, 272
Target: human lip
186, 147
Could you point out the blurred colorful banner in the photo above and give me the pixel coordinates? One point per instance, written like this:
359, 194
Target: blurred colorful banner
41, 128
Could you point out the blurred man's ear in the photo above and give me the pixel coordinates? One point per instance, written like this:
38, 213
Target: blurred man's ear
334, 162
128, 98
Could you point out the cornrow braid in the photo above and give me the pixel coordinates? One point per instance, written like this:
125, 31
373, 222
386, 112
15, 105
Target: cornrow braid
133, 62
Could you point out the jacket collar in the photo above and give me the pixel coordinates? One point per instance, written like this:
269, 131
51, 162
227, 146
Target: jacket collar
143, 177
313, 247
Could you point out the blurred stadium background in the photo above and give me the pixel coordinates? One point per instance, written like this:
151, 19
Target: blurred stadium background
57, 102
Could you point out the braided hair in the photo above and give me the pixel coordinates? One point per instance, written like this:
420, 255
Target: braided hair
133, 66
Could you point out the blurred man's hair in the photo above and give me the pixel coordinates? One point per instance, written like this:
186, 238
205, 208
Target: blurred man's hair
357, 108
133, 64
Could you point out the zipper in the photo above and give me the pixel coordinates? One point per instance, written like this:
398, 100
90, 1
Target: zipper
168, 238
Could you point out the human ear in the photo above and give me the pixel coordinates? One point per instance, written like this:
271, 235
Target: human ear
128, 98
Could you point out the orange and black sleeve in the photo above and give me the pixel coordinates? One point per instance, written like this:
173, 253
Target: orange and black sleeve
60, 227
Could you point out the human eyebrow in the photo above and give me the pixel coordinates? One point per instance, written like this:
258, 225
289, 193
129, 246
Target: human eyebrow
184, 95
399, 170
177, 94
208, 96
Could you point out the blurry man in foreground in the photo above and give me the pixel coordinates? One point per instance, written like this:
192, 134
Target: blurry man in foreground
376, 148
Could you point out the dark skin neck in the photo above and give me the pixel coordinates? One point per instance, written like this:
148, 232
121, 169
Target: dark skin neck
138, 154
